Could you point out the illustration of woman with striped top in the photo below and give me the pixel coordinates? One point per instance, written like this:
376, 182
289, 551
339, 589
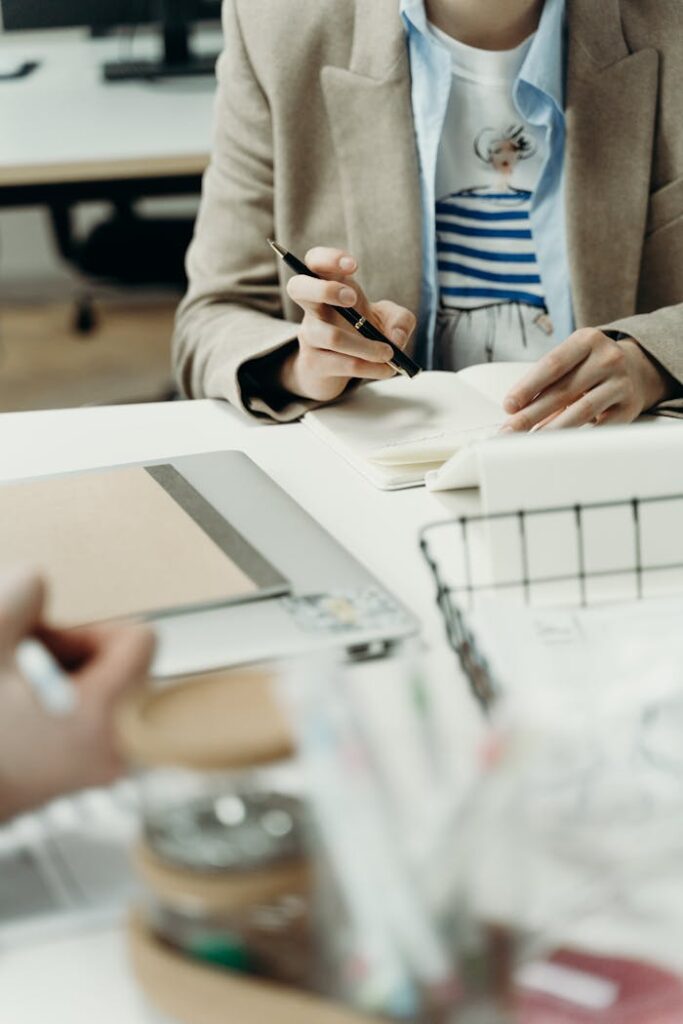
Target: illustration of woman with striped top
492, 299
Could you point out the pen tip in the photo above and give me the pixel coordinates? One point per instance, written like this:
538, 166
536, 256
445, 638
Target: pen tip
277, 248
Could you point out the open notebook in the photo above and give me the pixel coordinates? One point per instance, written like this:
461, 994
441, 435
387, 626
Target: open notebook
394, 432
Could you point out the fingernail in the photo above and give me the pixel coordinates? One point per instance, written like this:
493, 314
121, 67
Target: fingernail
347, 263
398, 335
347, 296
506, 429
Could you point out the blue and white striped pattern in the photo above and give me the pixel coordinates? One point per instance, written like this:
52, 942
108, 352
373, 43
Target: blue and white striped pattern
485, 249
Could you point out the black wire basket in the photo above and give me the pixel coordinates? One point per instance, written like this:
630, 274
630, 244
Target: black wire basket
563, 556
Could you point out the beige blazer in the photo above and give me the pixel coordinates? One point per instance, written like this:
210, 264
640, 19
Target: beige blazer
314, 145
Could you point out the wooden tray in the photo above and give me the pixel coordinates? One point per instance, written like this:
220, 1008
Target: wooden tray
187, 991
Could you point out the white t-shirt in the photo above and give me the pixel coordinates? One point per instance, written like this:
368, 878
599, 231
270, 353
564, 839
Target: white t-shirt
489, 162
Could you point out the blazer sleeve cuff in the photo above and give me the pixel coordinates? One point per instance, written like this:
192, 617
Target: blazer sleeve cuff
660, 334
230, 354
260, 392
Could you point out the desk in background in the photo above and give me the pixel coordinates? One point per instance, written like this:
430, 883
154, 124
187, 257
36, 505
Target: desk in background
67, 135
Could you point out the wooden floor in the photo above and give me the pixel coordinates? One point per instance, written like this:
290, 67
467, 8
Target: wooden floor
45, 363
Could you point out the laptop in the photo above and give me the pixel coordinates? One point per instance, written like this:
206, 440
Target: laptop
66, 866
333, 600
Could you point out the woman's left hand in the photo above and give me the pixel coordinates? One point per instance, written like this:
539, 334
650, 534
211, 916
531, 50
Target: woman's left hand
589, 378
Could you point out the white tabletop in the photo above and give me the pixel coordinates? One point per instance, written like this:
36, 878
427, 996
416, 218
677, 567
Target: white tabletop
84, 978
63, 122
379, 528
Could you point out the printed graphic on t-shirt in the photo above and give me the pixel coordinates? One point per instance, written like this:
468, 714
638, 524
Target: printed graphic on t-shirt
485, 247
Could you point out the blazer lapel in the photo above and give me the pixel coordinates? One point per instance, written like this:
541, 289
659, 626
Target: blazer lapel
370, 114
611, 107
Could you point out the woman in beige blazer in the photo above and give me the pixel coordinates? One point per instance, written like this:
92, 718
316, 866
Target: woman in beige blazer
317, 144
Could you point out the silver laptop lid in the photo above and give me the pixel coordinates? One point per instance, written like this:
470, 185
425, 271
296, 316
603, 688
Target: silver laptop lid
334, 601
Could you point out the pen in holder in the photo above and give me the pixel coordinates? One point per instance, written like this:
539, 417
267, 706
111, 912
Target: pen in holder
377, 764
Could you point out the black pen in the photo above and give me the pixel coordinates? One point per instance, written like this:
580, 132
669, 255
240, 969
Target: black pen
400, 361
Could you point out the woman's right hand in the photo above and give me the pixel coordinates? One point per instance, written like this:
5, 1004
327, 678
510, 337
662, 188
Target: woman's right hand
331, 352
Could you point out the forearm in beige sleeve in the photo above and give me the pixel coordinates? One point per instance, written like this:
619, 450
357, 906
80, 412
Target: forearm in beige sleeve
232, 312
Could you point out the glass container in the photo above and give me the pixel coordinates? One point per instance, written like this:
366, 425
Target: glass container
222, 850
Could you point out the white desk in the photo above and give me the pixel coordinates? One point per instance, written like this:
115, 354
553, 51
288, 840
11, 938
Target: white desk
83, 979
63, 124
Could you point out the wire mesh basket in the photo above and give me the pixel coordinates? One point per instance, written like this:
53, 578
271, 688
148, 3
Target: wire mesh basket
561, 556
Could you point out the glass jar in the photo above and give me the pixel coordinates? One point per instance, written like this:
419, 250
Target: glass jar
222, 852
254, 920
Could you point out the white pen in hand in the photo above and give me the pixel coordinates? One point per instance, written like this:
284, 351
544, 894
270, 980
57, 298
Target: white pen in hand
47, 678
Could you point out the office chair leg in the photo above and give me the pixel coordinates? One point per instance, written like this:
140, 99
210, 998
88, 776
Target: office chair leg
85, 317
61, 216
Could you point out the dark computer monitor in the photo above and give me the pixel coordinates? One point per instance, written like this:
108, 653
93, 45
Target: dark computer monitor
175, 17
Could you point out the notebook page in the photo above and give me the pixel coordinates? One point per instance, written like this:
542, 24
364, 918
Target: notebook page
494, 380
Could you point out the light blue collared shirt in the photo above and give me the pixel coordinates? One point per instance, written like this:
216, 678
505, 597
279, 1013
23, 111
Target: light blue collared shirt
538, 95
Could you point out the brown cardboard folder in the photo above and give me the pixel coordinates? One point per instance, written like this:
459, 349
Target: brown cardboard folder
135, 541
